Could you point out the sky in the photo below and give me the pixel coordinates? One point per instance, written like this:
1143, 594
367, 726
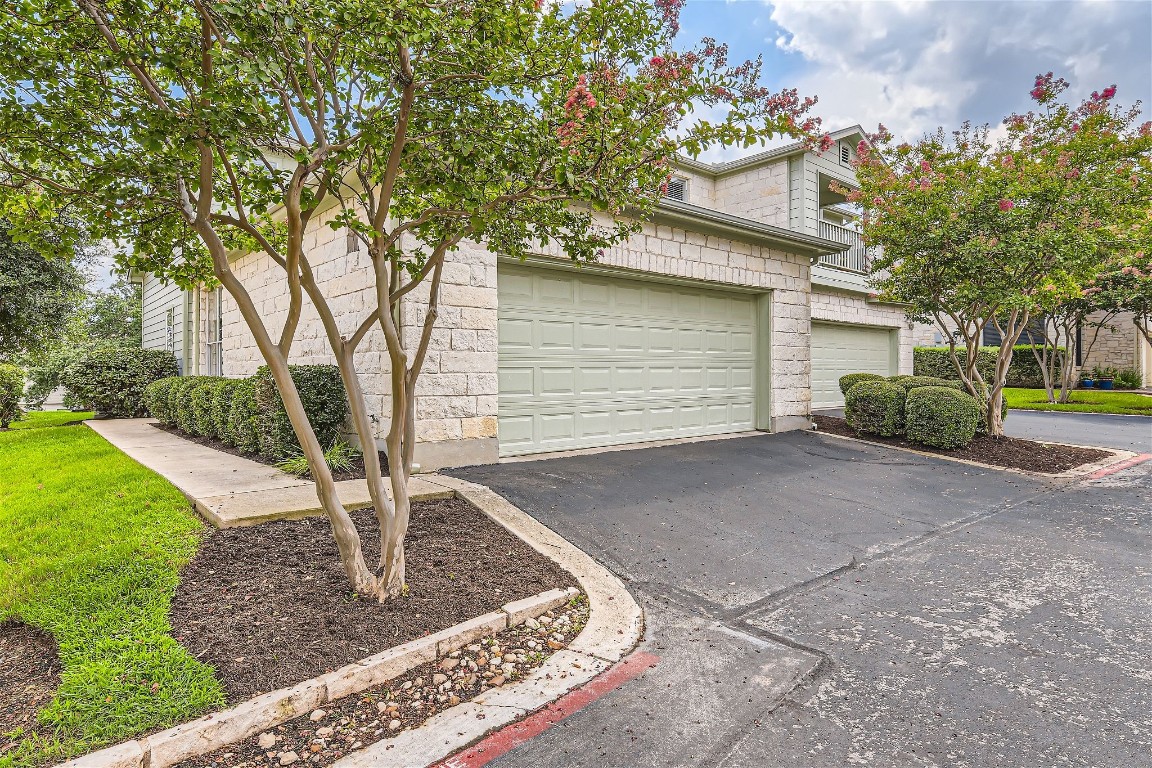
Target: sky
917, 65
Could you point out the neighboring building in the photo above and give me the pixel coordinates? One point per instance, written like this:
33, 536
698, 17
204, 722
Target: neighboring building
738, 307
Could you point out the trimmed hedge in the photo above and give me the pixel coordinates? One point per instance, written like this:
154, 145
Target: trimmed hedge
222, 407
201, 396
850, 380
11, 390
1024, 371
941, 417
910, 383
243, 415
157, 399
111, 380
876, 407
181, 403
322, 394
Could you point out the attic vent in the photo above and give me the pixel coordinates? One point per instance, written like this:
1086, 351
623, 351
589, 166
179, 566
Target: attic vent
845, 154
677, 188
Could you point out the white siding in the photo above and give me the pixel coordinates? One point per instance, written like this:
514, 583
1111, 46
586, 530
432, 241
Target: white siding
158, 298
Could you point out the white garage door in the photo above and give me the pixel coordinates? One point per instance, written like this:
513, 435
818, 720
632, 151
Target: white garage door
590, 361
840, 349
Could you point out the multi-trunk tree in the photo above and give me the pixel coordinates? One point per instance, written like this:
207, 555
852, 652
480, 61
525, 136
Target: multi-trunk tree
200, 130
977, 232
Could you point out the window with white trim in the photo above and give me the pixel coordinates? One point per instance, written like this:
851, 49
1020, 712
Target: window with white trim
215, 333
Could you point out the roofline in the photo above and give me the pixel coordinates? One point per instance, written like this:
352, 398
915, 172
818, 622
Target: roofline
704, 220
796, 147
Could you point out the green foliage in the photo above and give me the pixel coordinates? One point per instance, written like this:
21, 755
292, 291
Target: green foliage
849, 380
39, 295
111, 380
92, 545
201, 396
243, 416
875, 407
322, 394
338, 457
157, 398
11, 390
1129, 378
222, 408
908, 383
942, 417
1083, 401
181, 402
1024, 370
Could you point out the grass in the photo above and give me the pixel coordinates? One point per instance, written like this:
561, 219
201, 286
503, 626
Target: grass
38, 419
1083, 401
91, 544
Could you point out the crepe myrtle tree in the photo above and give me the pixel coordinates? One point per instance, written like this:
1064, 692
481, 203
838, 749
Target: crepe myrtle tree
1126, 286
208, 128
976, 232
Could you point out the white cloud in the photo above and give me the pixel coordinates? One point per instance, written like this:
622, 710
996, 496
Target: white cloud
917, 65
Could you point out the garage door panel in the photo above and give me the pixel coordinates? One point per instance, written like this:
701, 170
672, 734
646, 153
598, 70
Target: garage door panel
841, 349
584, 374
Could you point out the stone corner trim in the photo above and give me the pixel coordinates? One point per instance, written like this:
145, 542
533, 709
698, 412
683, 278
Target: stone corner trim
614, 627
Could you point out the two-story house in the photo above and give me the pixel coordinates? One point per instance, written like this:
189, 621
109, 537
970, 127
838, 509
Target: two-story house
737, 308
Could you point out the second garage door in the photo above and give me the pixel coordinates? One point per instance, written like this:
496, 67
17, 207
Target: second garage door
839, 349
590, 360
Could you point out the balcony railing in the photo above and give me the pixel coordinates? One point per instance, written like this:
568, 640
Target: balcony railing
858, 257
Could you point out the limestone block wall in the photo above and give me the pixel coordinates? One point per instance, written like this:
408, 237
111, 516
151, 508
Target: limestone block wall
1120, 346
759, 193
847, 307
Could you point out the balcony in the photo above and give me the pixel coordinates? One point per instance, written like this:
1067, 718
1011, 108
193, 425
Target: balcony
858, 257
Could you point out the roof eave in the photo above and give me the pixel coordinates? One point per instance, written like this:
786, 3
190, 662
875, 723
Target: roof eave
707, 221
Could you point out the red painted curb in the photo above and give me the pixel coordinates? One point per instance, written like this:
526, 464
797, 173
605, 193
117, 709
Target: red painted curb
502, 741
1121, 466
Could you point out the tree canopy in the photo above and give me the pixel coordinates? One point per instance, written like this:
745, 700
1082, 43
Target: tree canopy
37, 296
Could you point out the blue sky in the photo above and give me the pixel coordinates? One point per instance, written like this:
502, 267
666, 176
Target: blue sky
916, 65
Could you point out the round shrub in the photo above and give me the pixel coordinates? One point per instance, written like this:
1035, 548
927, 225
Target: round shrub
242, 417
180, 401
111, 379
201, 396
850, 380
325, 404
941, 417
910, 383
157, 397
222, 407
11, 390
876, 407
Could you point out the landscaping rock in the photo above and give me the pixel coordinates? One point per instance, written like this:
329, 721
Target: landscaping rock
266, 740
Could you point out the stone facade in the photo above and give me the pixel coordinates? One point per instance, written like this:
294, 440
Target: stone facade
855, 309
759, 194
1118, 345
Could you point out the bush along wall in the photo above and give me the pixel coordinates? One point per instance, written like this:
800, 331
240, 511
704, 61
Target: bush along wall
111, 380
249, 414
876, 407
937, 362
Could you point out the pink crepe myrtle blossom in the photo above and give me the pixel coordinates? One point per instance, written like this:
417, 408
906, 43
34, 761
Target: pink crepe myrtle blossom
925, 166
670, 11
1006, 205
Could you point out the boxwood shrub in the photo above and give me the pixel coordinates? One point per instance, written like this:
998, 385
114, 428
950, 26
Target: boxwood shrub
242, 417
942, 417
875, 407
183, 410
158, 398
202, 395
325, 404
111, 379
11, 390
222, 407
910, 383
850, 380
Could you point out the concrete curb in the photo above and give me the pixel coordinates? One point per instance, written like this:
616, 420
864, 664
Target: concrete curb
211, 732
615, 625
1118, 455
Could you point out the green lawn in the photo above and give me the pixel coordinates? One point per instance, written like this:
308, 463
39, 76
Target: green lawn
1083, 401
38, 419
90, 547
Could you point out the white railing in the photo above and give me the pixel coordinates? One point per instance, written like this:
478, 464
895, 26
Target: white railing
857, 258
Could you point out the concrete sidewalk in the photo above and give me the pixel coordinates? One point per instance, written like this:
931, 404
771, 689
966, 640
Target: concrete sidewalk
231, 491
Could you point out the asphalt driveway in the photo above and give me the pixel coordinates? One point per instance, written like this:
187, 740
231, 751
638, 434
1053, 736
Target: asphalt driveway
820, 602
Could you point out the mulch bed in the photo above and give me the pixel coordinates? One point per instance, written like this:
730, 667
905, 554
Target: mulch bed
325, 735
1011, 452
269, 606
29, 676
356, 473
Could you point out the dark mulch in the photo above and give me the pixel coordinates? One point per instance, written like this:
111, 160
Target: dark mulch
356, 473
269, 606
998, 451
29, 675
